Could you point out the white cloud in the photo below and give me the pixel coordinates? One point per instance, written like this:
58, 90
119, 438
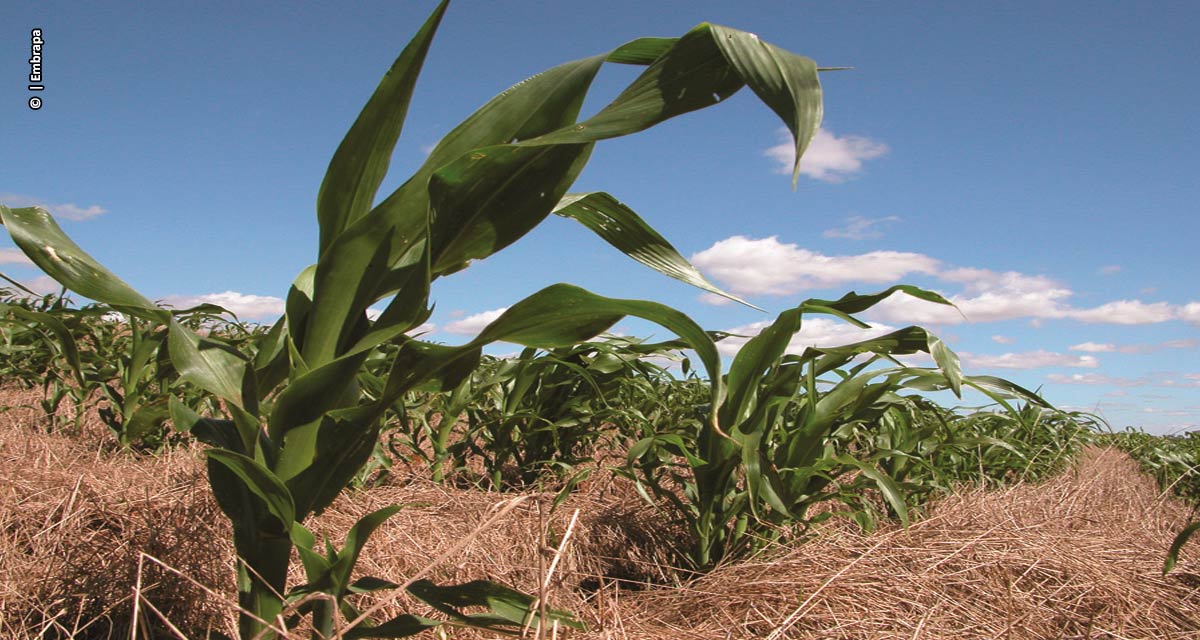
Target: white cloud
815, 332
999, 339
714, 299
1093, 347
750, 266
828, 157
1190, 312
13, 255
766, 266
473, 324
1029, 360
860, 228
1109, 270
67, 211
1125, 312
243, 305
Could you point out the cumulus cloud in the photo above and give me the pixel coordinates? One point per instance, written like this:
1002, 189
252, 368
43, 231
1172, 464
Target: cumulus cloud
1124, 312
860, 228
749, 266
828, 157
767, 266
1190, 312
1029, 360
66, 211
473, 324
13, 255
243, 305
999, 339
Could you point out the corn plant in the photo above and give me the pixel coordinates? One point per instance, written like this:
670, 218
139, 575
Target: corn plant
298, 427
746, 478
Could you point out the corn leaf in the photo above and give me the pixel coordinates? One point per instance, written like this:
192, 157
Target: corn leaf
624, 229
361, 160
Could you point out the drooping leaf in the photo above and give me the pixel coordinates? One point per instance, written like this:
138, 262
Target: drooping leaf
786, 82
624, 229
40, 237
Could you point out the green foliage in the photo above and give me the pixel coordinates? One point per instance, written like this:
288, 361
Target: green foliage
298, 425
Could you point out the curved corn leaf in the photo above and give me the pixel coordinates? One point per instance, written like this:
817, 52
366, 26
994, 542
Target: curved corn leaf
786, 82
323, 458
891, 491
261, 482
1177, 546
40, 237
352, 547
210, 365
624, 229
361, 160
489, 198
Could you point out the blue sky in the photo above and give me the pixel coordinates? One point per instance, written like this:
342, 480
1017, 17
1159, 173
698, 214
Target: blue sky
1034, 162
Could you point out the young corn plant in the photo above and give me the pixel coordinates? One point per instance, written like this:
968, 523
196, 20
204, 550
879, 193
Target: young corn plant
298, 427
753, 473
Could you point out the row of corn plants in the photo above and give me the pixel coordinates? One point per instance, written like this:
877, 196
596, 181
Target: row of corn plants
1174, 461
327, 396
98, 358
296, 425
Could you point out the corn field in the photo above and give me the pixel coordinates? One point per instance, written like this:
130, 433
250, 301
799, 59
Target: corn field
740, 455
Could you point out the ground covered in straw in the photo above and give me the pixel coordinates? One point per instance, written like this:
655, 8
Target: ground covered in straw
83, 528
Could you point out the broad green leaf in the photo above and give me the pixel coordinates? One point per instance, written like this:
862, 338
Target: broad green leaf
355, 539
346, 282
887, 486
40, 237
313, 393
786, 82
342, 442
209, 364
947, 361
692, 74
361, 161
621, 227
489, 198
261, 482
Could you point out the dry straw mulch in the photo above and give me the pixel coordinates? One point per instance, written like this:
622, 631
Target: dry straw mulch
1076, 557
